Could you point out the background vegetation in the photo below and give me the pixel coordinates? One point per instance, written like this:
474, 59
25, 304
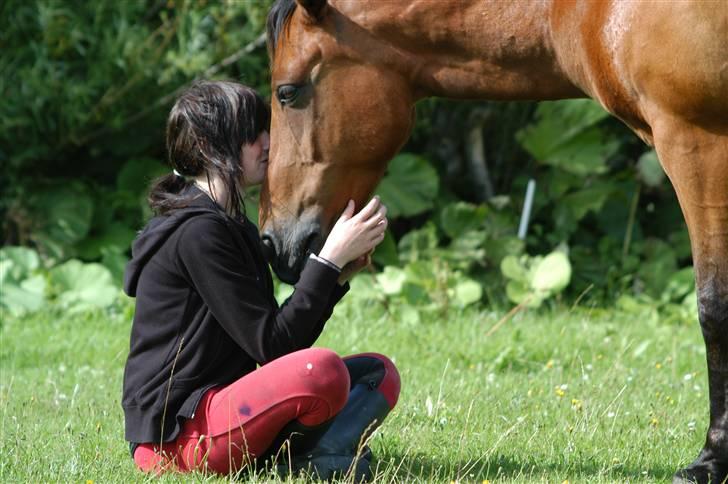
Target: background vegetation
86, 87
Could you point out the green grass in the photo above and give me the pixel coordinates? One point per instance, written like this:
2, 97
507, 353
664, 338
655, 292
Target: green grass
581, 395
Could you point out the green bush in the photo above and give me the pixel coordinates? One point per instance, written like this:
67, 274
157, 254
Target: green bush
81, 137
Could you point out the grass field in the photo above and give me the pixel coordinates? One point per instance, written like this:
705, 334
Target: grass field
578, 395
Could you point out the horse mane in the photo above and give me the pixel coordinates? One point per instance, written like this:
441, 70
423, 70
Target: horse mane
278, 17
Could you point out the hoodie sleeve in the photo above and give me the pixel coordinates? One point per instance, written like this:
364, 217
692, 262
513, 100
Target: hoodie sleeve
236, 295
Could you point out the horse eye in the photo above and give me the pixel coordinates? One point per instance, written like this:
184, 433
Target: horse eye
287, 94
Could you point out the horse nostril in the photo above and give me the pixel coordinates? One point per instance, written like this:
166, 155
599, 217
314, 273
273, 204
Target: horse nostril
312, 243
269, 247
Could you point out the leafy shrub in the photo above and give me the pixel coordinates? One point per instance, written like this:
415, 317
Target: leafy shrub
81, 136
27, 286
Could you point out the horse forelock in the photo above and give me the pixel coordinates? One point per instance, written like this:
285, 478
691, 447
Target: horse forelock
278, 17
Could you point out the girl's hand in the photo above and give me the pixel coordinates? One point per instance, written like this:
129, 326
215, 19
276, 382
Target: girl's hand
354, 236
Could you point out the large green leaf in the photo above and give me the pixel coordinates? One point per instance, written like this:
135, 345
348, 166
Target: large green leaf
534, 279
590, 199
409, 187
365, 288
116, 237
557, 123
391, 280
17, 263
468, 292
513, 268
418, 243
24, 297
78, 284
516, 291
565, 136
460, 217
552, 274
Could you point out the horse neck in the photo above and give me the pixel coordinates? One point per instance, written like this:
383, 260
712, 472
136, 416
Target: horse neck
471, 48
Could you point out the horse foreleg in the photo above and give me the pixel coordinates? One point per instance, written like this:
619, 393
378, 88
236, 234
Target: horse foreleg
696, 160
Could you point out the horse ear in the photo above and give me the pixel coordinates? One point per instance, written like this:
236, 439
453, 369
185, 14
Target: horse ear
314, 8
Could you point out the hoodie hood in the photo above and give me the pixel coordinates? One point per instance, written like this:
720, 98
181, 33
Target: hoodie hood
156, 233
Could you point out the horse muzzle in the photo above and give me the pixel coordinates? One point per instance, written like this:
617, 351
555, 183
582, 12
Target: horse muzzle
287, 247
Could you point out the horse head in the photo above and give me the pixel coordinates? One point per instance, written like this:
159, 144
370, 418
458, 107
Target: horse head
340, 112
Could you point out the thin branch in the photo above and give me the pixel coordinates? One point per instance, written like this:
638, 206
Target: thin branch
508, 316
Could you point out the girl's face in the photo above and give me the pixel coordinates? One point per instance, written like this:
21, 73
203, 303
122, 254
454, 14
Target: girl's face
254, 159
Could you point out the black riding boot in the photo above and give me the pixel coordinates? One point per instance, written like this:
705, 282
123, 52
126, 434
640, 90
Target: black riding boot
342, 450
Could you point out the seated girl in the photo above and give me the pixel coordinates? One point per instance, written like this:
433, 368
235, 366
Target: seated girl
218, 375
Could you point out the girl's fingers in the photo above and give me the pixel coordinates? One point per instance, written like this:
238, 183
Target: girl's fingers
369, 209
377, 218
347, 213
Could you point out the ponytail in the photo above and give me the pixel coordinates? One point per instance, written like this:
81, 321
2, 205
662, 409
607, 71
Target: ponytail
165, 193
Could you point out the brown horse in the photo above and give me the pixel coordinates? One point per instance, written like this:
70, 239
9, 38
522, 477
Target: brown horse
346, 75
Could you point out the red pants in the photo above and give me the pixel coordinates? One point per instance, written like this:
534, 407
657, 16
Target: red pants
234, 424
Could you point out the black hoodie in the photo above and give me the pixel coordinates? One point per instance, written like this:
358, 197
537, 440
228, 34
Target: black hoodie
206, 315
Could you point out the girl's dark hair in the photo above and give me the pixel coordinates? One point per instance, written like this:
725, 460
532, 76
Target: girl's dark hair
206, 130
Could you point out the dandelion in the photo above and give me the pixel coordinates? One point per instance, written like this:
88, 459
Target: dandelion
549, 364
576, 403
559, 392
658, 365
654, 421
